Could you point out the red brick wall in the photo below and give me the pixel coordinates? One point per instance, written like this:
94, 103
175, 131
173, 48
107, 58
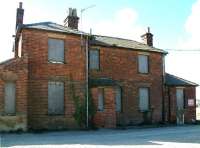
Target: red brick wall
15, 70
35, 44
190, 111
121, 65
190, 114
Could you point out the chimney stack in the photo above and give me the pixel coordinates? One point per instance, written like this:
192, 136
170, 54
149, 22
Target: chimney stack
148, 37
20, 16
72, 19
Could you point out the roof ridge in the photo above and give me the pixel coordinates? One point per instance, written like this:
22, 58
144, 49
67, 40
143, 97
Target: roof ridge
116, 37
45, 22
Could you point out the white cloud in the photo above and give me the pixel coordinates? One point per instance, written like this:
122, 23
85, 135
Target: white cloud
192, 28
33, 13
122, 24
185, 64
7, 15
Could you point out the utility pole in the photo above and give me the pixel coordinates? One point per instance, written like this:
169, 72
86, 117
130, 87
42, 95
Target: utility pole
87, 68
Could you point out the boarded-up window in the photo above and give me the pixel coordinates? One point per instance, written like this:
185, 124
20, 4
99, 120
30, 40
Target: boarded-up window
100, 99
10, 92
143, 65
56, 50
94, 59
180, 98
144, 99
118, 99
55, 98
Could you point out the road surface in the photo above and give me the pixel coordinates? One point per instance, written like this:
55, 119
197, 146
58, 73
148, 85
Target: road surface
165, 137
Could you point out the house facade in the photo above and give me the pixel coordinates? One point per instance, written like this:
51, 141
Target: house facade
56, 65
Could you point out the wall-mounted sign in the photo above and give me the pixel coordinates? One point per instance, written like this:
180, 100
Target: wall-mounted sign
191, 102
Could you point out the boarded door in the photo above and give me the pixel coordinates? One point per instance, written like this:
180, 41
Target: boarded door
180, 105
180, 98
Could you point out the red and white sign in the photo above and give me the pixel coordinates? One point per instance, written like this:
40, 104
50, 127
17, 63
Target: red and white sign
190, 102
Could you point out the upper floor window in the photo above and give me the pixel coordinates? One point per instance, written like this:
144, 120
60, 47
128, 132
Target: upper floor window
94, 59
143, 64
144, 99
56, 50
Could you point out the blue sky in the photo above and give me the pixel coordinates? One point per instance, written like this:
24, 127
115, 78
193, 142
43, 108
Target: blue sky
174, 23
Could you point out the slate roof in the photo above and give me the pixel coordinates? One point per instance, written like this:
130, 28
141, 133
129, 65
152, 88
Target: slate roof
96, 39
50, 26
172, 80
124, 43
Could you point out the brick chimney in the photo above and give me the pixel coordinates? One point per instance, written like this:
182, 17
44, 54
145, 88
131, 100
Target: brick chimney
20, 16
72, 19
148, 38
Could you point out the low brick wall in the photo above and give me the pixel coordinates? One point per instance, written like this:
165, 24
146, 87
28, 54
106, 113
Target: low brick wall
13, 123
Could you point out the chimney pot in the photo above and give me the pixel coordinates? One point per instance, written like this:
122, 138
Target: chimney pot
19, 16
70, 12
148, 37
72, 19
20, 5
74, 13
148, 29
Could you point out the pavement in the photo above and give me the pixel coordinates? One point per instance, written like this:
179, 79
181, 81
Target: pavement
163, 137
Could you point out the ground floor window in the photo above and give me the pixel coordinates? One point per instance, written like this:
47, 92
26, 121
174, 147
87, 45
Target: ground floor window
100, 99
55, 97
118, 100
144, 99
10, 96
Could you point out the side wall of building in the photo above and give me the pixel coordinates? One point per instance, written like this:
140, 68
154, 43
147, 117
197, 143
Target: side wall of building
41, 71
